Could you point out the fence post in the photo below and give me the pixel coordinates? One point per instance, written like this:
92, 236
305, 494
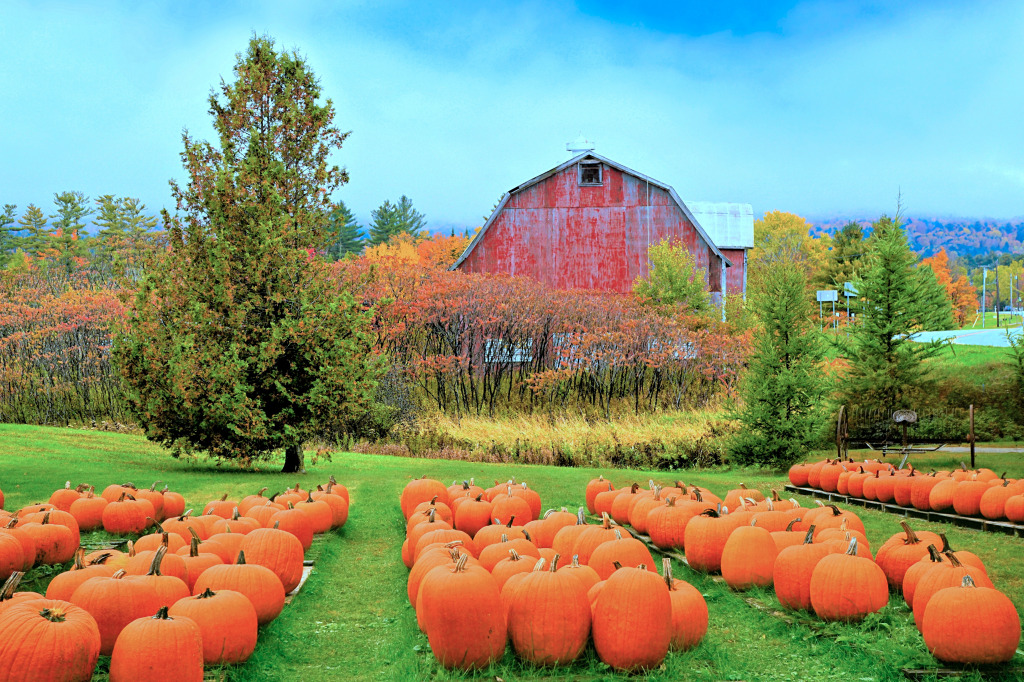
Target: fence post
971, 436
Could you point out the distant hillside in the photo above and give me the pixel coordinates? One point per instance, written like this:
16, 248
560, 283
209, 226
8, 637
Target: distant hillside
959, 236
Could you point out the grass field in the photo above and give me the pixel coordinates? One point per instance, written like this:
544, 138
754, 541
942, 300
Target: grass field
352, 619
989, 321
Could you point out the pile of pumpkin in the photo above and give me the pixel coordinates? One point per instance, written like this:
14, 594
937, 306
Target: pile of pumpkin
191, 593
980, 492
820, 560
487, 567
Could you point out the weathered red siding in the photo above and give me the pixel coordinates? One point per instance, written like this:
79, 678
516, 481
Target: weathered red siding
578, 237
734, 275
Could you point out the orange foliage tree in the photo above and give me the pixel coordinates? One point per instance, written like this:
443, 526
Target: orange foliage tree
961, 293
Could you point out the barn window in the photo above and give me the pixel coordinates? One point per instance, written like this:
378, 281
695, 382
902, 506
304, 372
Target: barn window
590, 174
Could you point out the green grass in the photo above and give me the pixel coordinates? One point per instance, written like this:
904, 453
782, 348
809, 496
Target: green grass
976, 321
352, 619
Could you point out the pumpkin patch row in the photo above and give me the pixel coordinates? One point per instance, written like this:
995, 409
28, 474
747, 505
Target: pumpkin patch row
488, 569
966, 492
192, 593
820, 560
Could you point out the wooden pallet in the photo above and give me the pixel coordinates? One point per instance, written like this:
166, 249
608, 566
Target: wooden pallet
972, 522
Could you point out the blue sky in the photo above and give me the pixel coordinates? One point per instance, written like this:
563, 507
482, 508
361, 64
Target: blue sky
819, 108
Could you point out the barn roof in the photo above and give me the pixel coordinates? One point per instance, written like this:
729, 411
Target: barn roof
730, 225
571, 162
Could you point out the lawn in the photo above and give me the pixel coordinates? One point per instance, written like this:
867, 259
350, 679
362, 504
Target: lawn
352, 619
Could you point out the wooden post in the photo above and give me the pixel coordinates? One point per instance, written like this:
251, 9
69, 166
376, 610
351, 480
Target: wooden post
971, 436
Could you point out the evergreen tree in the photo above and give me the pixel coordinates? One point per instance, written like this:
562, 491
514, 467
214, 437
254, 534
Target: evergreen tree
784, 388
111, 237
239, 343
389, 220
68, 229
33, 236
8, 242
847, 251
345, 234
936, 308
886, 370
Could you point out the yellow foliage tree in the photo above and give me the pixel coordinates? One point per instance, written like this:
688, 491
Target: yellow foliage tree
784, 239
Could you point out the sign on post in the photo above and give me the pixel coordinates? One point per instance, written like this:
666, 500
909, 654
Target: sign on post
826, 295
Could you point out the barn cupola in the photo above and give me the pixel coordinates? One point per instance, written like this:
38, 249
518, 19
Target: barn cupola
579, 145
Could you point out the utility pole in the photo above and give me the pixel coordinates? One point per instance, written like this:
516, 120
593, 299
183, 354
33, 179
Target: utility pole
996, 302
984, 284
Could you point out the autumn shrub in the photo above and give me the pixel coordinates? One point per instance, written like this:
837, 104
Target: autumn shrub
55, 365
486, 344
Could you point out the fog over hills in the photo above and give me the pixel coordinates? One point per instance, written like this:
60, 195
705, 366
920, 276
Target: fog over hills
959, 236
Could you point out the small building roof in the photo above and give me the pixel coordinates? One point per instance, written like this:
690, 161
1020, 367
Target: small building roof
731, 226
683, 206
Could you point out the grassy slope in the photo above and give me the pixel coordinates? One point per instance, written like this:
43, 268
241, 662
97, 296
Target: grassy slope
352, 619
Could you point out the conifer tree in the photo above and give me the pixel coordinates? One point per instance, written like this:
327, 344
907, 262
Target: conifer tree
887, 369
345, 234
240, 344
8, 242
388, 220
784, 388
68, 228
936, 308
33, 236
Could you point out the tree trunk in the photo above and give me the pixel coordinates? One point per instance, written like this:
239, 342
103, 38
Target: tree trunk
294, 460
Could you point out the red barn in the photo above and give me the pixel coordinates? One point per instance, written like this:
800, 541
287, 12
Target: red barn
588, 224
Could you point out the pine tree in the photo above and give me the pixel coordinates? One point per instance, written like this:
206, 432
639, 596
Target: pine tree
936, 309
887, 369
239, 343
8, 242
68, 229
345, 233
33, 236
784, 389
411, 220
389, 220
845, 258
111, 237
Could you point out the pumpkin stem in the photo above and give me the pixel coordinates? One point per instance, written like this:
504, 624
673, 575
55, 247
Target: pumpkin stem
154, 568
241, 557
911, 538
836, 511
526, 534
618, 534
789, 527
634, 488
617, 565
945, 544
554, 562
581, 519
510, 520
119, 574
809, 538
193, 550
953, 560
162, 614
514, 555
460, 565
54, 615
933, 554
234, 514
606, 521
207, 594
79, 559
697, 496
193, 533
713, 513
548, 513
539, 566
7, 591
967, 581
670, 501
666, 569
852, 549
